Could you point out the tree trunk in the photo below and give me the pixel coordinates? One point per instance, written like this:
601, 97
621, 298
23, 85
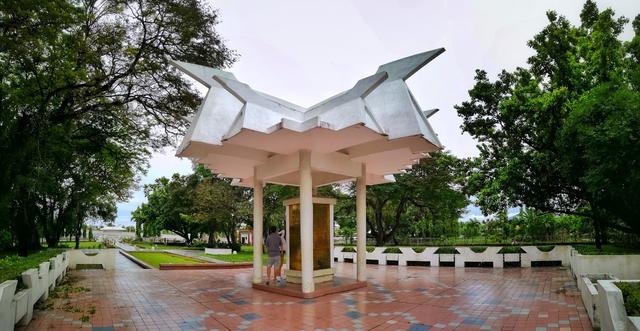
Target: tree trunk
210, 240
597, 229
52, 240
379, 233
233, 235
26, 232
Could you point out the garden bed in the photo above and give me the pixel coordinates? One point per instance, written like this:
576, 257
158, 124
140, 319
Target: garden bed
82, 244
244, 255
154, 259
585, 249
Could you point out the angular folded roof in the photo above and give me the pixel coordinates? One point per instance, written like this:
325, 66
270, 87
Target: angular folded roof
378, 122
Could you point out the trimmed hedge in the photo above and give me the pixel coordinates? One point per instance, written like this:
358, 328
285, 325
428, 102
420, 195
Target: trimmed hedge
511, 250
392, 250
478, 249
546, 248
447, 250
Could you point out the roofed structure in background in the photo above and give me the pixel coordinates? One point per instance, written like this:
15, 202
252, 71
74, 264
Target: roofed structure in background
239, 131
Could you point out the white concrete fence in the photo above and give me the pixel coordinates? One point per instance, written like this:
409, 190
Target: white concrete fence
595, 276
17, 307
218, 251
465, 257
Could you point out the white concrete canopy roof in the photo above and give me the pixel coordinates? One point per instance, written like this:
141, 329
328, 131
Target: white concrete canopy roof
378, 122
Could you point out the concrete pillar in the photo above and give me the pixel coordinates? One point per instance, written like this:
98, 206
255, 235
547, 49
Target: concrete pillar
361, 224
257, 228
306, 221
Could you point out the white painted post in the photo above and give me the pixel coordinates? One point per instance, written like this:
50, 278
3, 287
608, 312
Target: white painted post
287, 234
7, 311
257, 228
306, 221
361, 220
331, 237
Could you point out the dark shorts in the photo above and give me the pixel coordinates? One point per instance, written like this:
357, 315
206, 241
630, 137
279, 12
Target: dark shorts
273, 261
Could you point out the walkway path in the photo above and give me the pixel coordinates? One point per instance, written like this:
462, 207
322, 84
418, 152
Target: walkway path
126, 247
195, 254
398, 298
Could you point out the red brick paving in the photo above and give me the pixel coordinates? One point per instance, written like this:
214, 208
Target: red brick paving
397, 298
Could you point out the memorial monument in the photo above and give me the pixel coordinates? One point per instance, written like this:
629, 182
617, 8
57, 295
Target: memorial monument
365, 134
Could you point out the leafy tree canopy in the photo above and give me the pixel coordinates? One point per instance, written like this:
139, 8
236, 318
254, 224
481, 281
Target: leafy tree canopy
562, 135
85, 89
429, 193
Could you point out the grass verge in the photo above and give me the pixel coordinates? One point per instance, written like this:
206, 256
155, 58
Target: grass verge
12, 265
606, 250
83, 244
147, 245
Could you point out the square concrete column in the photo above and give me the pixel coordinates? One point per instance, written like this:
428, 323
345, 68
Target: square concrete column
257, 228
361, 224
306, 222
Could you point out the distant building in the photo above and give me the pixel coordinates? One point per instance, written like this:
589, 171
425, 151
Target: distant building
245, 235
113, 233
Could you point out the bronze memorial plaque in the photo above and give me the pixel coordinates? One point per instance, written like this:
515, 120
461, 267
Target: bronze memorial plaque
321, 237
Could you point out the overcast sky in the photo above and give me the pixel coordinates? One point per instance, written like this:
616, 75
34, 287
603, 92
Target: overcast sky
305, 52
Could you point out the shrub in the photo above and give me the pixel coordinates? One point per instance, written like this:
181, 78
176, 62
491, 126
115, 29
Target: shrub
478, 249
418, 249
631, 296
547, 248
237, 247
392, 250
511, 250
606, 250
447, 250
6, 239
348, 249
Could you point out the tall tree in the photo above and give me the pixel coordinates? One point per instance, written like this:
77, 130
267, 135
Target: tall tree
562, 135
85, 77
219, 206
170, 206
429, 191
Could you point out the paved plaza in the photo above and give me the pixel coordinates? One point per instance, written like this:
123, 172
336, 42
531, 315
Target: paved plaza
397, 298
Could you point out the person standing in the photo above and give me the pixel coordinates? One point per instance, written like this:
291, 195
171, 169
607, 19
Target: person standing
283, 242
274, 247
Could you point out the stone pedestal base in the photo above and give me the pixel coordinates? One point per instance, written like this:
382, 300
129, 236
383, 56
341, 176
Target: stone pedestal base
319, 276
337, 285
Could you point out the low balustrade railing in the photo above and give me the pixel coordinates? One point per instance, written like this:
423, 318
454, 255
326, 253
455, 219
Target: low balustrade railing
17, 307
462, 256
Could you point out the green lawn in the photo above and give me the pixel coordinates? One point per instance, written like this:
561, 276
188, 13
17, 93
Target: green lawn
240, 257
147, 245
155, 258
83, 244
12, 265
246, 255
